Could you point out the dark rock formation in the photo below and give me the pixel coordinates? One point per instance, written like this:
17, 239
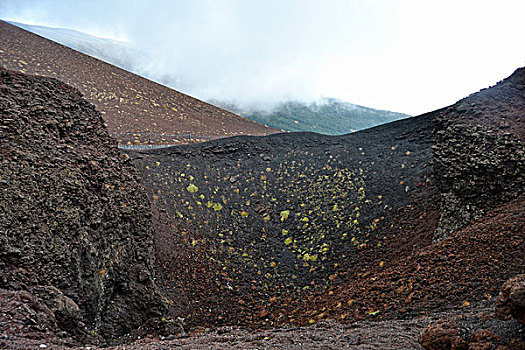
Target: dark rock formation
483, 340
75, 226
479, 154
442, 335
445, 334
511, 300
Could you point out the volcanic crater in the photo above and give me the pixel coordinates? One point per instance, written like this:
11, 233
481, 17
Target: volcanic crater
284, 240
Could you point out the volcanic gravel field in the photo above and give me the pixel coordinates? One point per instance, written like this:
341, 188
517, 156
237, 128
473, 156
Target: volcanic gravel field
263, 222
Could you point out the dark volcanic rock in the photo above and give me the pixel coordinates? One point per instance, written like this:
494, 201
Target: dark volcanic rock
75, 226
442, 335
511, 300
445, 334
482, 340
479, 154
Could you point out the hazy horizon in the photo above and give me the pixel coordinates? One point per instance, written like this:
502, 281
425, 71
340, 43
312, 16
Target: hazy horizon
403, 56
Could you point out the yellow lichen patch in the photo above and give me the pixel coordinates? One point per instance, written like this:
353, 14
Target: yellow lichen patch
192, 188
284, 215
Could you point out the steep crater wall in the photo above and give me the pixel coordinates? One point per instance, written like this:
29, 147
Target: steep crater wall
248, 224
75, 226
479, 153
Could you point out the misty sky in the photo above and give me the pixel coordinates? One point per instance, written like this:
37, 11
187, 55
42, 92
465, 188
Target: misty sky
410, 56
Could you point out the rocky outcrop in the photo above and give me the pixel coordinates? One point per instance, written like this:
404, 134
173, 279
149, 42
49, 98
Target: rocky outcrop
445, 334
442, 335
479, 154
483, 339
75, 226
511, 300
477, 171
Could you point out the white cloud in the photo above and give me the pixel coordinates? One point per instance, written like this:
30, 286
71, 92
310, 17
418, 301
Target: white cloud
408, 56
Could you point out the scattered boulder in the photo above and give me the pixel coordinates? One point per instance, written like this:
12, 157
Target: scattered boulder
65, 311
483, 340
442, 335
445, 334
511, 300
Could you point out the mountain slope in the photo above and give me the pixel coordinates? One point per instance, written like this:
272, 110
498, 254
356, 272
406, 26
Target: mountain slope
114, 52
258, 231
128, 102
328, 116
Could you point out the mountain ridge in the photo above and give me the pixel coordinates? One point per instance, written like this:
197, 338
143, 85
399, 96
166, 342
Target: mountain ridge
108, 50
329, 116
326, 116
128, 102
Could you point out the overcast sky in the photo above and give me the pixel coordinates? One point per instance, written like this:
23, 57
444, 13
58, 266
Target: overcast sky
410, 56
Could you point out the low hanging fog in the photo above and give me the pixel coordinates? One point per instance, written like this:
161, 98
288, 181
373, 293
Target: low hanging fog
404, 56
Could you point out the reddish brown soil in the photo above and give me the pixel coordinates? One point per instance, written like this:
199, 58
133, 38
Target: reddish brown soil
500, 108
128, 103
469, 266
